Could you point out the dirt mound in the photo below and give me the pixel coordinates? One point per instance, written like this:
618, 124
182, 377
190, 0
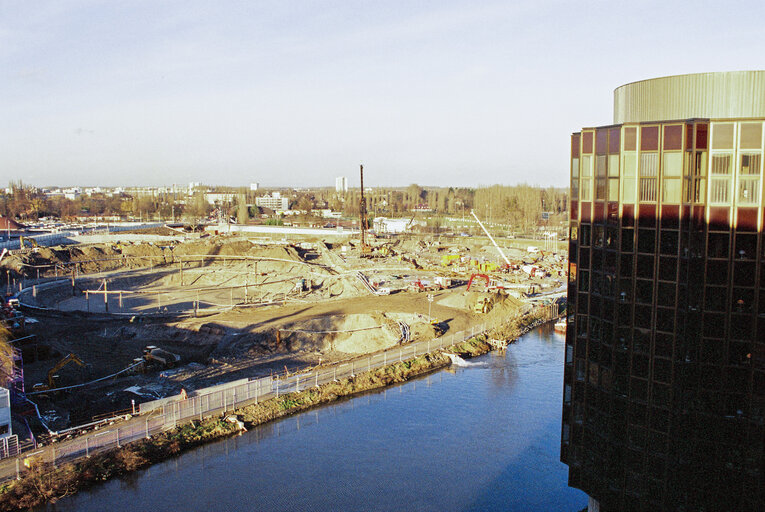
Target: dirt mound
466, 301
352, 334
462, 300
157, 254
275, 251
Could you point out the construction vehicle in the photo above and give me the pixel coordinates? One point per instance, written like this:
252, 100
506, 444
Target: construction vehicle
417, 286
448, 259
482, 276
51, 379
483, 305
442, 282
155, 355
32, 242
439, 283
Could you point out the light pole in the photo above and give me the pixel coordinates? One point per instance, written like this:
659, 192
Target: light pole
430, 302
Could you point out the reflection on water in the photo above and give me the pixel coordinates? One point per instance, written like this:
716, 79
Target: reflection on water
484, 436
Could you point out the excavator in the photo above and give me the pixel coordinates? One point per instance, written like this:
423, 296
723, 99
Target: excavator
51, 383
481, 276
31, 241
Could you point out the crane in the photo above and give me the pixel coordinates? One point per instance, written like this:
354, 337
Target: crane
490, 237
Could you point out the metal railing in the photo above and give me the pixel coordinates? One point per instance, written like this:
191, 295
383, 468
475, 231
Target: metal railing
9, 446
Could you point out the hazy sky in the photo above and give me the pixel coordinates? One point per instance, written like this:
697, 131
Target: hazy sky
294, 93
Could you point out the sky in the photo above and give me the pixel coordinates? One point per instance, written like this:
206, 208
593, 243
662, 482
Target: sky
296, 92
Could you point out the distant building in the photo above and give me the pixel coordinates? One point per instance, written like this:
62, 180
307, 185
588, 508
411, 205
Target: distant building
274, 202
7, 224
72, 193
385, 225
254, 186
193, 185
219, 197
5, 413
341, 184
664, 381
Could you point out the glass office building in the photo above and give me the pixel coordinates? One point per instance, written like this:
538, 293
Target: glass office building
664, 387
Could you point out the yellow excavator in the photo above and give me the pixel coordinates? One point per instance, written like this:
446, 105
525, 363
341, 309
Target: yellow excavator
51, 383
31, 241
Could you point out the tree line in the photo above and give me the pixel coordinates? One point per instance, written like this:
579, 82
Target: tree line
518, 205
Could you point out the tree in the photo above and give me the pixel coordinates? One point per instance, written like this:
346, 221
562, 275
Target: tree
415, 194
197, 207
242, 213
6, 356
305, 203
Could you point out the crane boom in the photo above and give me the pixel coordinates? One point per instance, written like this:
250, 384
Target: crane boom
490, 237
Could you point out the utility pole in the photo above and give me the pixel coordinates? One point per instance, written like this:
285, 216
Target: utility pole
363, 214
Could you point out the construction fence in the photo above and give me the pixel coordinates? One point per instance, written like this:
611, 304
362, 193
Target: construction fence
70, 237
167, 413
9, 446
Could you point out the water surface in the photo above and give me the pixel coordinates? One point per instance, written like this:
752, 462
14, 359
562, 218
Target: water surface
483, 436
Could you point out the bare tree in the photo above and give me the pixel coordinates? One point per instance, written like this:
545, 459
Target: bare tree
6, 356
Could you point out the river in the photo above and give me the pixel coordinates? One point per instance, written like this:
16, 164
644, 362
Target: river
483, 436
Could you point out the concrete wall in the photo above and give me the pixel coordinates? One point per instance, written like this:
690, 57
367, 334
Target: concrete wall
278, 230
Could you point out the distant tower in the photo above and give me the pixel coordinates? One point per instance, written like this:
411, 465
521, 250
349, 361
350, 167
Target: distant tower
341, 184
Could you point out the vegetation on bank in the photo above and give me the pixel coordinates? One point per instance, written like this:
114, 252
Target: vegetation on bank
46, 483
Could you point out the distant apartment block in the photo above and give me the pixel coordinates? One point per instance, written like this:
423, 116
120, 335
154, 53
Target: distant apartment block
254, 186
341, 184
274, 202
219, 198
664, 382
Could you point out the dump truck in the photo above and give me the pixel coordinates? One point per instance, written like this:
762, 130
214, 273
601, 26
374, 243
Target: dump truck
155, 355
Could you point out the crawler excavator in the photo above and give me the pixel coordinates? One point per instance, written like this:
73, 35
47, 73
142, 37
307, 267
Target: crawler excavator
50, 381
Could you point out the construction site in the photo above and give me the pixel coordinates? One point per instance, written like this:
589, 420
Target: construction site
100, 328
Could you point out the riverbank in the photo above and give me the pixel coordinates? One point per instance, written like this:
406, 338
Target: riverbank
44, 483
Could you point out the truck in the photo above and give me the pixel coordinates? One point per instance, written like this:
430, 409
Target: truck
155, 355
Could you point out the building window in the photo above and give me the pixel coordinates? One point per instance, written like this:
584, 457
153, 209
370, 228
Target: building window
648, 189
671, 190
649, 171
720, 190
721, 163
751, 136
600, 189
630, 172
613, 166
749, 178
613, 189
585, 191
600, 166
722, 136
